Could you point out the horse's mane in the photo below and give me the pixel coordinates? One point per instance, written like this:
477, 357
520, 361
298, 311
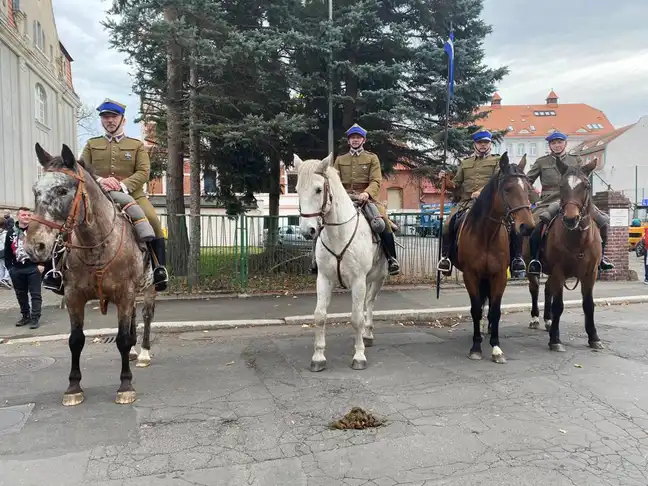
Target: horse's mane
308, 168
483, 205
57, 163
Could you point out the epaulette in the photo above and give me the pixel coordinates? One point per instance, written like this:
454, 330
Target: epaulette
95, 138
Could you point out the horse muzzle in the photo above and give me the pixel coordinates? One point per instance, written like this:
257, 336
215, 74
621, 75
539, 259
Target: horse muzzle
571, 223
526, 230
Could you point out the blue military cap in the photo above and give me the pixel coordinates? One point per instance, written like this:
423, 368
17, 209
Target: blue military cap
356, 129
111, 106
556, 136
482, 135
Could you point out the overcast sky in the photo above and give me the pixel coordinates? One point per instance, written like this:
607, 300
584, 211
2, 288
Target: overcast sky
588, 51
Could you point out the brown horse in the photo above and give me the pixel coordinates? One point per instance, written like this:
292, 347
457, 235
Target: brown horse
571, 248
73, 214
483, 251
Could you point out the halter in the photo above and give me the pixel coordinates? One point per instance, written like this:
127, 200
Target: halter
583, 209
327, 202
73, 220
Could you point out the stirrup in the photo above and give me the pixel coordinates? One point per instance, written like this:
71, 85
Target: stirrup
535, 267
53, 276
393, 266
445, 266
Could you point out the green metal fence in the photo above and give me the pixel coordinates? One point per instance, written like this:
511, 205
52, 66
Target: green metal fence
263, 253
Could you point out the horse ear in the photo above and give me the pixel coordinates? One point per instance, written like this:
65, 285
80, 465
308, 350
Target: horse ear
562, 167
504, 162
43, 157
296, 162
590, 166
69, 160
522, 163
326, 162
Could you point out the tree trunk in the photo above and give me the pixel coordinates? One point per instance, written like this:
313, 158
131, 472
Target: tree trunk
274, 193
194, 177
178, 240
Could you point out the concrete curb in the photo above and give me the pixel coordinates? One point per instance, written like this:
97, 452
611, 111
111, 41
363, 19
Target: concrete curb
415, 315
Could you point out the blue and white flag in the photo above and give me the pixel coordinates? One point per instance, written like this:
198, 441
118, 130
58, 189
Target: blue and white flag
448, 47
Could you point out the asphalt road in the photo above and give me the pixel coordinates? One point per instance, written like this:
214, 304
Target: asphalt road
240, 407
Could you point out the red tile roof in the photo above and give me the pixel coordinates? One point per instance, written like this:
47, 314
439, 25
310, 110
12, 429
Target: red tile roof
540, 120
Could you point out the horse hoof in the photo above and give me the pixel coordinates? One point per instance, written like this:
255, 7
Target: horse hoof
558, 347
143, 363
498, 358
534, 324
316, 366
368, 342
358, 364
548, 325
596, 345
132, 356
72, 399
475, 356
125, 397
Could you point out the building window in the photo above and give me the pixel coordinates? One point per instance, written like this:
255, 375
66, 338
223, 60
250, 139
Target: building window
533, 149
39, 36
40, 104
394, 198
520, 149
509, 148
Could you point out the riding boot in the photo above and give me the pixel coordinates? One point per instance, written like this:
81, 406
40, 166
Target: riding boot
158, 260
53, 279
313, 264
535, 267
517, 265
445, 265
389, 246
605, 263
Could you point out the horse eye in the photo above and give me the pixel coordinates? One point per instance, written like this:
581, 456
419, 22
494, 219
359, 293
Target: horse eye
318, 190
61, 191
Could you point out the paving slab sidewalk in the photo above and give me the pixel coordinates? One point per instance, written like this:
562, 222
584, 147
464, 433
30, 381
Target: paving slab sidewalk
242, 310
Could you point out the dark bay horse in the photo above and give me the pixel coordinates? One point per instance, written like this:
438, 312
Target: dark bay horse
483, 251
571, 248
105, 261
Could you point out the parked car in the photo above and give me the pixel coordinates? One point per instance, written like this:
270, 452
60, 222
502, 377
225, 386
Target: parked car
289, 236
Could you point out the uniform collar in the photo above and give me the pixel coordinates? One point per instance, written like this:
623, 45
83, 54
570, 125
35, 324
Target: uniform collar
479, 155
356, 152
116, 138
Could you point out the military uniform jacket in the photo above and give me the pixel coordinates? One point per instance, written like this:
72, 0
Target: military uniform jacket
547, 170
360, 173
473, 174
125, 159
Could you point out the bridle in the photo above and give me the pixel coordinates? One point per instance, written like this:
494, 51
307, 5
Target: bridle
507, 219
78, 215
327, 203
583, 208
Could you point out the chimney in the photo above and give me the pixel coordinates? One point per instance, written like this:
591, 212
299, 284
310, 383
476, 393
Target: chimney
552, 98
496, 100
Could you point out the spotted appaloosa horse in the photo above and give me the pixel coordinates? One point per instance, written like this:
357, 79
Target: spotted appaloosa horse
105, 261
571, 248
483, 247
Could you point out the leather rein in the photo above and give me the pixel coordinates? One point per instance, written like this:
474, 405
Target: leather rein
327, 202
73, 220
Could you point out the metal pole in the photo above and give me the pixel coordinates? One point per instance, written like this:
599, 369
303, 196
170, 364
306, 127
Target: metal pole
636, 185
330, 87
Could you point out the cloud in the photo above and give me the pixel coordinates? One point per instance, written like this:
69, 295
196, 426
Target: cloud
98, 71
586, 50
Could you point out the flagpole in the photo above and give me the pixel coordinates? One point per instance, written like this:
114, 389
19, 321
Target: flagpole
445, 164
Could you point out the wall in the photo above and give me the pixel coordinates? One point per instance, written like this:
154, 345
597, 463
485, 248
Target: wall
622, 155
617, 247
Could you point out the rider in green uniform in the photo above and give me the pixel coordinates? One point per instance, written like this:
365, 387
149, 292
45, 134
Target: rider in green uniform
473, 174
549, 204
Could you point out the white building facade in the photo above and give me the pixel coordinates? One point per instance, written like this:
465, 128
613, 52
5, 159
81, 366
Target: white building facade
37, 98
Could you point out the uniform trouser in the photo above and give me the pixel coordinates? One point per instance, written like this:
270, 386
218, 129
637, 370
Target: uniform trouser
26, 281
151, 215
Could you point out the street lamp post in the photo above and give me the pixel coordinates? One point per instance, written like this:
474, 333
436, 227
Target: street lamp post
330, 86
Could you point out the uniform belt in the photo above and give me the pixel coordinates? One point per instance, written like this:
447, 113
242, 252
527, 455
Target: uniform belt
549, 188
355, 187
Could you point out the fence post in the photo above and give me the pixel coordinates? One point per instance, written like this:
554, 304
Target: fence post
245, 251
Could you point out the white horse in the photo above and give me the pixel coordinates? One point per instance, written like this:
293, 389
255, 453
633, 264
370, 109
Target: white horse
346, 252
